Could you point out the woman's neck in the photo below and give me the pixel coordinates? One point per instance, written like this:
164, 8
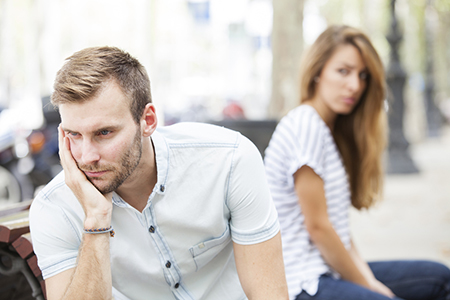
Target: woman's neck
325, 113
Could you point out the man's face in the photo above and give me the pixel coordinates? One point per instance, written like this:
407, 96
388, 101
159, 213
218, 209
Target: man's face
104, 139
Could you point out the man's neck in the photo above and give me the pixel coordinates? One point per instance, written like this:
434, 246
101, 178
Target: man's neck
138, 187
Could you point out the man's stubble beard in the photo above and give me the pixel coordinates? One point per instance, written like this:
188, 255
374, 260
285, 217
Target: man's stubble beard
128, 163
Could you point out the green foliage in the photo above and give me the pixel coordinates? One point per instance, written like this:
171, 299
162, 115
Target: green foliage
442, 5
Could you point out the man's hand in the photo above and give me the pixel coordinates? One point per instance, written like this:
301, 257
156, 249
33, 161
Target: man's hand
91, 278
97, 207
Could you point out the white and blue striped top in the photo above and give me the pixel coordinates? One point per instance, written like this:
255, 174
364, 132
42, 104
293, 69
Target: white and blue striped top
302, 138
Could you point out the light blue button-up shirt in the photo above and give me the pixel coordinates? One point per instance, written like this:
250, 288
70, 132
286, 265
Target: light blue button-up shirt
211, 189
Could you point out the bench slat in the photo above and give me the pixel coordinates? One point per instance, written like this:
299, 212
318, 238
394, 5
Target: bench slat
23, 245
15, 208
32, 262
44, 291
13, 226
15, 231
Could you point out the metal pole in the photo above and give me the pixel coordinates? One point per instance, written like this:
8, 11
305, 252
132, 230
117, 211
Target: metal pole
20, 265
434, 117
399, 158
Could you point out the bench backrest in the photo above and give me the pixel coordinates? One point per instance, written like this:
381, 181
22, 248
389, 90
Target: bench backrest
17, 246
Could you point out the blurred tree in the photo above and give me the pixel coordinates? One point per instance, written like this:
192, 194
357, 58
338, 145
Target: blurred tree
426, 62
399, 158
442, 44
287, 44
434, 119
349, 12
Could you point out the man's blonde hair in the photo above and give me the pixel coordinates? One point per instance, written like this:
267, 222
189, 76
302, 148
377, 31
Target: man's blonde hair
85, 73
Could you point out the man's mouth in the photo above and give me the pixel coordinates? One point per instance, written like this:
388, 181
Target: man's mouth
93, 174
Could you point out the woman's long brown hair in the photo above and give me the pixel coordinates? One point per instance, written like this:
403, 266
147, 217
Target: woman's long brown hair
360, 135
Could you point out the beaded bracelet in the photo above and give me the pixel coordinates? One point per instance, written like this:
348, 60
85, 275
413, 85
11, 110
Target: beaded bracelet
101, 230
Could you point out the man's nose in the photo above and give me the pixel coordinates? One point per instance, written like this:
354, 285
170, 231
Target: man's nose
89, 152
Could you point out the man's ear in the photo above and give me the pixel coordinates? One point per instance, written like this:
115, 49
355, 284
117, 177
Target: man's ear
149, 120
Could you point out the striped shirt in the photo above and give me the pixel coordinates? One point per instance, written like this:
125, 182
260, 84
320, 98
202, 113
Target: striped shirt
302, 138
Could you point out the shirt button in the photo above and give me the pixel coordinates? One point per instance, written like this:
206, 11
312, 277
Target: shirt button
168, 264
177, 285
151, 229
162, 188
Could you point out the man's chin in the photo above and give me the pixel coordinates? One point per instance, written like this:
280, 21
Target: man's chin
105, 190
102, 186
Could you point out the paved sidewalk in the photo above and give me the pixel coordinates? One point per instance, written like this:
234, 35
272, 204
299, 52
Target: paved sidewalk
413, 221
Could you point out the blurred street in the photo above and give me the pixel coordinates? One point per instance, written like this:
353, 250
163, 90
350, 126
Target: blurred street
413, 221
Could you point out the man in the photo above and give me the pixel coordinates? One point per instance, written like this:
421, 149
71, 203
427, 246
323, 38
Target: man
179, 212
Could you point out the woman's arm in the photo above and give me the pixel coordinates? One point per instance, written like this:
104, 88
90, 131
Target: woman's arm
311, 194
362, 265
310, 191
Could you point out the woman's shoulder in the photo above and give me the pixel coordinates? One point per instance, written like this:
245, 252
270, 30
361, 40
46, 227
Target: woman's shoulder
302, 113
304, 117
304, 109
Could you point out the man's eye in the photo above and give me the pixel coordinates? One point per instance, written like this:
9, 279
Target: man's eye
104, 132
74, 134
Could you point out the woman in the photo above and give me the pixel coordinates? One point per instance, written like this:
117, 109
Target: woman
325, 155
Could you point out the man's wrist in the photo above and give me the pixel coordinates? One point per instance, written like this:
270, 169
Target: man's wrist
109, 230
93, 222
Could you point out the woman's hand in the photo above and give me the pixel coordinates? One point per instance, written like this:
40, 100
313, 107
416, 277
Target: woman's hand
380, 288
372, 283
97, 207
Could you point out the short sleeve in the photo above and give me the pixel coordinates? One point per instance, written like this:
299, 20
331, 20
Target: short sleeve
253, 215
55, 238
308, 134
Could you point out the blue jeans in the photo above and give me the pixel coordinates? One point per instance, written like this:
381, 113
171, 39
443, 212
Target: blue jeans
409, 280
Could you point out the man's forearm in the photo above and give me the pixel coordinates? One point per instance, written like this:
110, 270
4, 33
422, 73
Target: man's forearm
261, 269
92, 276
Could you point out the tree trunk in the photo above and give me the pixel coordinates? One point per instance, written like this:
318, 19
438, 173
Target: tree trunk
287, 44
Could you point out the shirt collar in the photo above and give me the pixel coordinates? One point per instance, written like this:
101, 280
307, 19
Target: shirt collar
162, 161
162, 167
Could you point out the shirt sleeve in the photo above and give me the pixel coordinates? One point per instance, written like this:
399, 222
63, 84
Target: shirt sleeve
308, 143
55, 237
253, 215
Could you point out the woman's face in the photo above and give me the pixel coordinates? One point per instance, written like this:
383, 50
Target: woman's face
341, 82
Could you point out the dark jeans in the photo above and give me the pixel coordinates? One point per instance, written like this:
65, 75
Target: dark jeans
409, 280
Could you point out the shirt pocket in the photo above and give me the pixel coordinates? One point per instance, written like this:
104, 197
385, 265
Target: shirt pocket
205, 251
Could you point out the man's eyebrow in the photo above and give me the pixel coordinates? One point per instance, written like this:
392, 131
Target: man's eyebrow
109, 128
66, 129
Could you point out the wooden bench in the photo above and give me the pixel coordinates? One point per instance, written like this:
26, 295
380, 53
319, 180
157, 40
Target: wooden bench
259, 132
16, 250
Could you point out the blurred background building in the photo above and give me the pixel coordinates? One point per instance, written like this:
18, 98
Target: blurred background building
203, 55
210, 60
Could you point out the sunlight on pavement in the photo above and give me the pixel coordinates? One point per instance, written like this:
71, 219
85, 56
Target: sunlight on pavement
413, 221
